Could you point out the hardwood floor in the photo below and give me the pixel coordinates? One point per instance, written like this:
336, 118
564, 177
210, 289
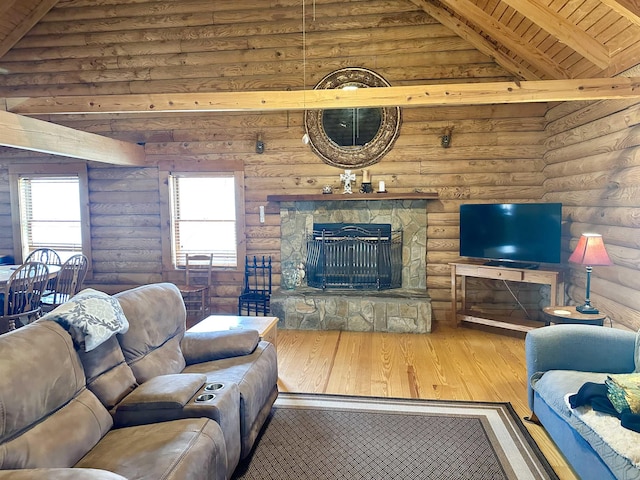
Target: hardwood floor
448, 364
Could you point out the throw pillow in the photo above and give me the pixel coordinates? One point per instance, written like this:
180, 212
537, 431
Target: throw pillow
624, 392
91, 317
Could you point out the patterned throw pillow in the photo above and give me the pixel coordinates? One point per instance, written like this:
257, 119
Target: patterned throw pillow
623, 391
91, 317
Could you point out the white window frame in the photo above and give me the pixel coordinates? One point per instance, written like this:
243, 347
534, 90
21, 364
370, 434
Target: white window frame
18, 171
205, 169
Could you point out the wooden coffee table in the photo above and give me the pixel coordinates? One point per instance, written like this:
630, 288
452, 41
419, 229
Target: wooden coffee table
267, 327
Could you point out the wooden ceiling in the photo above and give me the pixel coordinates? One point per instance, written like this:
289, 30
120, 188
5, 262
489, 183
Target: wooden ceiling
139, 56
532, 39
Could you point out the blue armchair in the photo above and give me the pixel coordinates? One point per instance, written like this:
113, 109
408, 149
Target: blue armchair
560, 359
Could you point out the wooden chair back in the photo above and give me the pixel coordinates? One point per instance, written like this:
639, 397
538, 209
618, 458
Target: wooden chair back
48, 256
69, 279
22, 293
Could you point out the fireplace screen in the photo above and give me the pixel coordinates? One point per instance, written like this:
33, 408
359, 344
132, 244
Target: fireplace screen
354, 256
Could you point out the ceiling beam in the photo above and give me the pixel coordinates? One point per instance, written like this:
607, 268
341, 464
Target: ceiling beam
508, 38
23, 24
403, 96
26, 133
565, 31
461, 29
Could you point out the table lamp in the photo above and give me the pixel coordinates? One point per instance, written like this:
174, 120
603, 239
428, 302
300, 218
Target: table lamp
590, 251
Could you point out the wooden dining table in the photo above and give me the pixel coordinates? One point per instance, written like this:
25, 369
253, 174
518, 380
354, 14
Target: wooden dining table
7, 270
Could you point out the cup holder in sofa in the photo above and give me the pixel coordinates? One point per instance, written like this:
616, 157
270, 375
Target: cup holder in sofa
205, 397
212, 387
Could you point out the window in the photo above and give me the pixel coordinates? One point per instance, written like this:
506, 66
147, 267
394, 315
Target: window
204, 218
50, 209
205, 215
50, 214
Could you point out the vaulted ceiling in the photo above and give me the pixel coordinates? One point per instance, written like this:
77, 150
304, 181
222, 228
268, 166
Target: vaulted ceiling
532, 39
545, 50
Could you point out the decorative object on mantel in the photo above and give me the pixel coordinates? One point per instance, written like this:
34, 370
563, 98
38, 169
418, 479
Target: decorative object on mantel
365, 187
327, 189
381, 187
352, 137
347, 177
445, 139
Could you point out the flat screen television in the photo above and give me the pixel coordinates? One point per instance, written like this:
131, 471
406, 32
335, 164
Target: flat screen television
512, 234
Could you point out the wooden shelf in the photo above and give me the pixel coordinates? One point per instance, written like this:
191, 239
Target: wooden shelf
339, 197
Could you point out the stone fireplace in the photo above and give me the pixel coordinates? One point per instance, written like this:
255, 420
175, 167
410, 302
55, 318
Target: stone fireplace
403, 309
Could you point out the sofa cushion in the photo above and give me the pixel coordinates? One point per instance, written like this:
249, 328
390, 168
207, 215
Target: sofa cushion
49, 418
109, 376
157, 319
91, 317
553, 386
191, 449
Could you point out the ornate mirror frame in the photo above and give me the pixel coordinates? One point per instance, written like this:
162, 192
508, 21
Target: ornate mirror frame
353, 156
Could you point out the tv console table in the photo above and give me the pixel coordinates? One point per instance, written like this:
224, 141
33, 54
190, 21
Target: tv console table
464, 269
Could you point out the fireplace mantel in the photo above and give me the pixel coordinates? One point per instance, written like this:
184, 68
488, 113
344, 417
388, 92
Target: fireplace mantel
338, 197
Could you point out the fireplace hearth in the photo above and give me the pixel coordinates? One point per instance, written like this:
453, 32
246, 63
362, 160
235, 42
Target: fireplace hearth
354, 256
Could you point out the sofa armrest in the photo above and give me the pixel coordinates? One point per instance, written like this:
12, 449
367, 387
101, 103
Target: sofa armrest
159, 399
584, 348
59, 474
198, 347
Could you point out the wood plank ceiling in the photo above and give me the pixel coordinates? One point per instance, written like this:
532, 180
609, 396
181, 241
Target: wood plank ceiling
532, 39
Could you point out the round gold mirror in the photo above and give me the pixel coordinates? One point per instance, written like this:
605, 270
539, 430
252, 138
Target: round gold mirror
352, 137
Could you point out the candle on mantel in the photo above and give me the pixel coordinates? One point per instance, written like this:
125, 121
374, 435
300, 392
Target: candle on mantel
381, 186
366, 178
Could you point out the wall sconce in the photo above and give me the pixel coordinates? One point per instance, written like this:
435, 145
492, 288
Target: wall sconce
445, 139
259, 145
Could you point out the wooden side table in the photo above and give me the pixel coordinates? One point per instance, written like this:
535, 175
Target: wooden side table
564, 314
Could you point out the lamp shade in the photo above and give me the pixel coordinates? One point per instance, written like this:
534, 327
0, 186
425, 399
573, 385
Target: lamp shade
590, 251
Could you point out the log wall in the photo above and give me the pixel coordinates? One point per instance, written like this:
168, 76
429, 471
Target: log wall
498, 153
593, 168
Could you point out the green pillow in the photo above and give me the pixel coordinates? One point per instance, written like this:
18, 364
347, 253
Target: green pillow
623, 391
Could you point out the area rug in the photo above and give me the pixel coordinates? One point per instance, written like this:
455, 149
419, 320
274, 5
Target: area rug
331, 437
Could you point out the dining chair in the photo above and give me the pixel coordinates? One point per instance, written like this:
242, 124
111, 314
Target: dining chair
22, 294
196, 291
68, 282
256, 291
48, 256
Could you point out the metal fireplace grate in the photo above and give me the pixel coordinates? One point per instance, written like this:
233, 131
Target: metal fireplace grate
354, 256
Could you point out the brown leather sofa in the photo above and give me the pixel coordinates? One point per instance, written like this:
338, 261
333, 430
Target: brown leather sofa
154, 402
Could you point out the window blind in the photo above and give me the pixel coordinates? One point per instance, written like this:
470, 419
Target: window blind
50, 213
203, 217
